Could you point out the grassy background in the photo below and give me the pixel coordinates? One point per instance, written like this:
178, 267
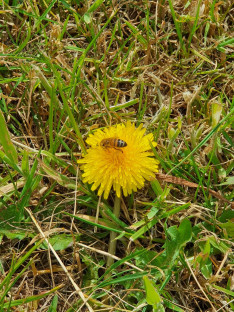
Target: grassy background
70, 67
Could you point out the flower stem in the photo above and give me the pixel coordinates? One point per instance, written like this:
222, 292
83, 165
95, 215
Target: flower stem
113, 241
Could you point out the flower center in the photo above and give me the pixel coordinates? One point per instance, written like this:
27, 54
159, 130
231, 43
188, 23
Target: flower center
115, 156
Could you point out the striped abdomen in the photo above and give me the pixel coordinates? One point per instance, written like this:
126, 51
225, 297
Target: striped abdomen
113, 142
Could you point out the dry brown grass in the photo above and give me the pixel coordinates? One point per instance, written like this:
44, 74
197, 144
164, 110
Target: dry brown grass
68, 68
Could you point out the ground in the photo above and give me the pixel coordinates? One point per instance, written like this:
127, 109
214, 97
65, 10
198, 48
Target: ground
69, 68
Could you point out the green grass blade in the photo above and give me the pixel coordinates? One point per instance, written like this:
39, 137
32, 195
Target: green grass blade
19, 302
25, 42
209, 135
177, 26
5, 140
194, 25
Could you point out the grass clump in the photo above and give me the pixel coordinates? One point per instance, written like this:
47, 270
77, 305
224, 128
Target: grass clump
69, 68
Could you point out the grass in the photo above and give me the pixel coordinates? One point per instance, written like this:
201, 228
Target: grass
68, 68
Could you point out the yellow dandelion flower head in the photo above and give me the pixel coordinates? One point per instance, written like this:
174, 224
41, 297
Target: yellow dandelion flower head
114, 165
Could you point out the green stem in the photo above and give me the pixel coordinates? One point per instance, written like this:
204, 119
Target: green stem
113, 235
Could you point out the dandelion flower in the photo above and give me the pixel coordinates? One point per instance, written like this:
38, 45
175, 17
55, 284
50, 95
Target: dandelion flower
123, 168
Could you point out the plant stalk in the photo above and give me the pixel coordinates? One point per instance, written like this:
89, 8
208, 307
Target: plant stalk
113, 235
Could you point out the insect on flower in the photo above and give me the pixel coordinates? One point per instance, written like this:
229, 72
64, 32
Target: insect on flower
113, 143
125, 172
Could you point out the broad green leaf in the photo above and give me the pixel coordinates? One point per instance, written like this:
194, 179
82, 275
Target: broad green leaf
185, 231
216, 113
226, 215
206, 269
59, 242
13, 234
221, 246
177, 238
203, 260
229, 227
181, 235
152, 296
